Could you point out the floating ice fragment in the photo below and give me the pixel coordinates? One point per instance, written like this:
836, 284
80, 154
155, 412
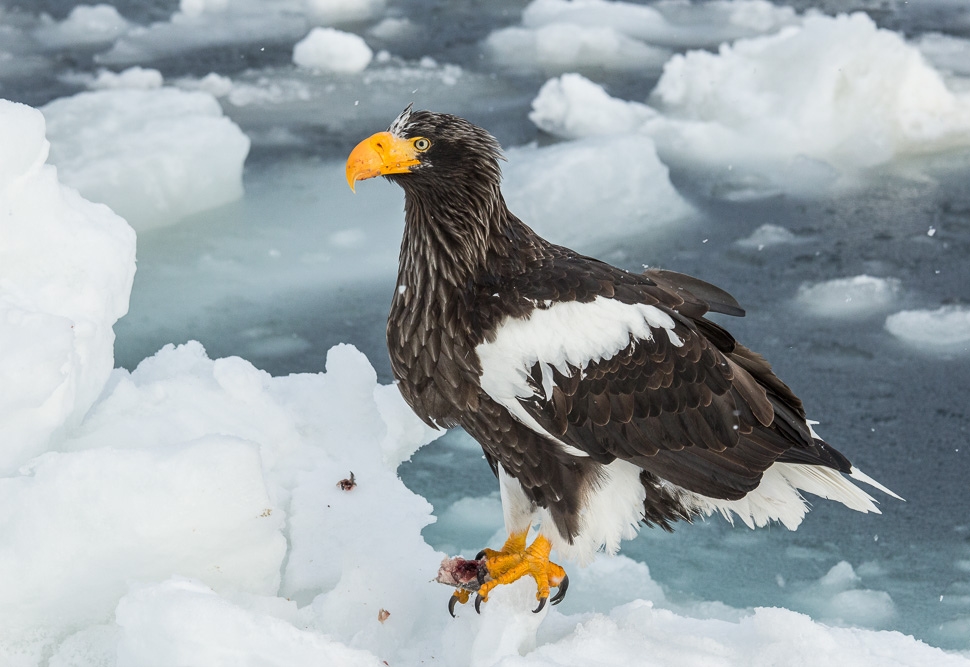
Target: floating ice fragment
857, 296
767, 235
561, 47
85, 25
343, 11
944, 329
330, 50
667, 23
154, 156
591, 189
837, 89
66, 269
571, 106
133, 77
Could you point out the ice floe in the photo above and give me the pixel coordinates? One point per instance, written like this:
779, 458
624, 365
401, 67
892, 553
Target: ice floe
668, 23
332, 50
66, 269
767, 235
793, 111
571, 106
85, 25
154, 156
857, 296
616, 185
945, 329
562, 47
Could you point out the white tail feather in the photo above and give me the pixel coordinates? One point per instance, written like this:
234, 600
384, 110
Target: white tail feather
778, 497
855, 473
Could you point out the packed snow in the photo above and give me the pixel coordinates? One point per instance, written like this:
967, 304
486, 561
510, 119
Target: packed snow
857, 296
154, 156
332, 50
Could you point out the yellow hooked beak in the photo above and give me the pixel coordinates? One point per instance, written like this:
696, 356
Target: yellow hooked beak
380, 154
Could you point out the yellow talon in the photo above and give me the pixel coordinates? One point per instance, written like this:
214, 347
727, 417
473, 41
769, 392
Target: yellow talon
515, 561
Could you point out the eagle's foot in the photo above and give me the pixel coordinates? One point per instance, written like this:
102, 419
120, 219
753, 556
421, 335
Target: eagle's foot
511, 563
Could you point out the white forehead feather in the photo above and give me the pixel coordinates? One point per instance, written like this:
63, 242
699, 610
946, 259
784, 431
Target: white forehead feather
401, 122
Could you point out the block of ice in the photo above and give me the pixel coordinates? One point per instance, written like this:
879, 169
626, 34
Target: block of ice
669, 22
85, 25
592, 189
767, 235
133, 77
836, 89
857, 296
343, 11
330, 50
945, 329
571, 106
562, 47
154, 156
66, 269
202, 24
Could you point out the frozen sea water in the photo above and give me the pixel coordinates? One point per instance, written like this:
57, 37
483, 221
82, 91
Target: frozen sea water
298, 265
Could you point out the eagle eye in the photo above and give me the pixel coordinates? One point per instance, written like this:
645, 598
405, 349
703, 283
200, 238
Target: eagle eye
421, 144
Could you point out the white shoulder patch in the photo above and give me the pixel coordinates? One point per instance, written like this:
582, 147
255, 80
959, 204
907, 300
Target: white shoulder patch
567, 333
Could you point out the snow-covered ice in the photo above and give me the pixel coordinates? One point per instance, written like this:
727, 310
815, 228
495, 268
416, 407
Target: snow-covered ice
332, 50
835, 89
85, 25
571, 106
550, 188
797, 109
153, 155
133, 77
668, 22
857, 296
945, 329
66, 269
563, 47
767, 235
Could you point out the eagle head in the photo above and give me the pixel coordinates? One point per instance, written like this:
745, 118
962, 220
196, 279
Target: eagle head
422, 150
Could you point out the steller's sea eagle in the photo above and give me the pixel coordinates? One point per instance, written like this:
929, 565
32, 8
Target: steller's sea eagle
602, 398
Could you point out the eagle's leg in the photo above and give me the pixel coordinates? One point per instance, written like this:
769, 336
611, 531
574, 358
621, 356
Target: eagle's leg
515, 561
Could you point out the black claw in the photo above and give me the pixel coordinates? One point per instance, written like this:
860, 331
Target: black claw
542, 603
451, 605
478, 604
482, 572
481, 554
561, 593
